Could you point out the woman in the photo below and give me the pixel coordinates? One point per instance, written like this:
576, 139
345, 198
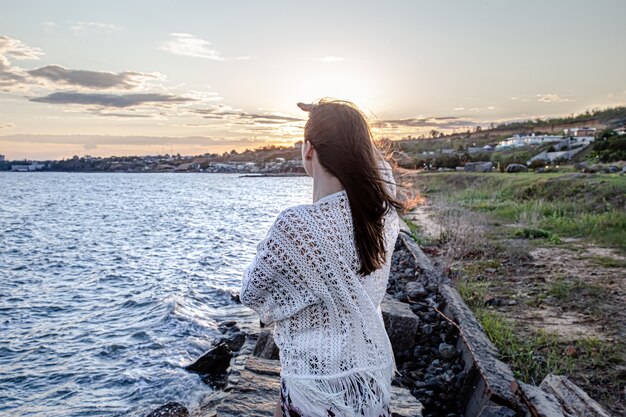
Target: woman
321, 273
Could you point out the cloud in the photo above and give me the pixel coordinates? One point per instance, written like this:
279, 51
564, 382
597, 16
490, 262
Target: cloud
188, 45
330, 58
17, 49
6, 125
226, 113
446, 122
13, 78
90, 79
94, 140
81, 27
110, 100
552, 98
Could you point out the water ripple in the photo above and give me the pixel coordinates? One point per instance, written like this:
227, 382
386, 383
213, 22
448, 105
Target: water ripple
111, 283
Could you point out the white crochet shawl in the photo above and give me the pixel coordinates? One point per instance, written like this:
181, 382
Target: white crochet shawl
328, 322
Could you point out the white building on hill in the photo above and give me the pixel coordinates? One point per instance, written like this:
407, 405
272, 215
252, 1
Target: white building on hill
518, 141
579, 132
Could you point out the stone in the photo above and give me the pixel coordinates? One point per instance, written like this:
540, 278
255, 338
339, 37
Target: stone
516, 168
215, 361
235, 341
496, 411
573, 398
256, 392
404, 404
401, 324
447, 351
415, 290
495, 377
541, 403
478, 166
265, 346
171, 409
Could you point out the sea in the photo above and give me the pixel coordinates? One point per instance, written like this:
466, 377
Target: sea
110, 283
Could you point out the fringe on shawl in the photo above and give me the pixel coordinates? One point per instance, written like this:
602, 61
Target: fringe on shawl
343, 392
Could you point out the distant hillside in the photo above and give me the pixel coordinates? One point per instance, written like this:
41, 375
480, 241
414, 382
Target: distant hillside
600, 119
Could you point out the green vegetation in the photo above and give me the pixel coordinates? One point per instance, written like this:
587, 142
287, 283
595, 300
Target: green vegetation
609, 147
550, 207
567, 291
533, 356
536, 355
417, 234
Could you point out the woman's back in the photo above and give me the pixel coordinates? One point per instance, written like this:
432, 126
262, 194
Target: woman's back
333, 345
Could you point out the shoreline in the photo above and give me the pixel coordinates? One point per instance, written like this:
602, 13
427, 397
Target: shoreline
447, 364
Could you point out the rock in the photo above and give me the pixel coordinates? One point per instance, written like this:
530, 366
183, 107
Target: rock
265, 346
234, 337
572, 397
496, 411
215, 361
401, 324
256, 392
227, 325
172, 409
490, 300
516, 168
479, 350
447, 351
415, 290
235, 341
478, 167
400, 296
404, 404
542, 403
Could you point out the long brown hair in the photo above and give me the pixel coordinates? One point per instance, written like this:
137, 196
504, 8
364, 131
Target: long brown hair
341, 136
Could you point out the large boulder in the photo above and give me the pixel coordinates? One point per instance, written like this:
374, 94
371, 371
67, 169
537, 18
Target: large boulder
401, 325
478, 166
516, 168
572, 397
265, 346
215, 361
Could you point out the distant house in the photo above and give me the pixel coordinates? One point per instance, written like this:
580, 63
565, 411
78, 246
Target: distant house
1, 158
298, 145
518, 141
581, 132
33, 166
619, 131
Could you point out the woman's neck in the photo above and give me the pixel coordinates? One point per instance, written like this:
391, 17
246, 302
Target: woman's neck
325, 185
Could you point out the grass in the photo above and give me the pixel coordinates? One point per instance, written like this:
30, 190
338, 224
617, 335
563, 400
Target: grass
546, 206
417, 233
607, 262
534, 356
577, 293
481, 213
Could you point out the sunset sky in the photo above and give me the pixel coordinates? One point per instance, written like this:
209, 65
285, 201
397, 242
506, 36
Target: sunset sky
147, 77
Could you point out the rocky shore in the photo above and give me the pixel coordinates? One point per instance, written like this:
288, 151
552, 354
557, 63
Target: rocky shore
448, 367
